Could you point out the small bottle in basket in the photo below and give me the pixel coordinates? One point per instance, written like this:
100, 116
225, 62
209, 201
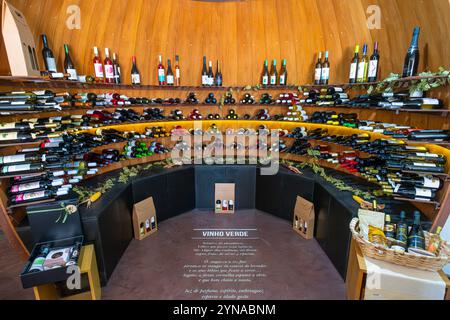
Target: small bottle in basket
434, 244
389, 228
416, 238
401, 234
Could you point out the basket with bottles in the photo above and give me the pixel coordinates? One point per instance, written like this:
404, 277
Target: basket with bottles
404, 245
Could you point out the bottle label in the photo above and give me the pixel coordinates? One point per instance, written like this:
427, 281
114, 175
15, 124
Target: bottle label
135, 78
10, 125
8, 136
273, 80
362, 70
427, 155
373, 68
426, 193
98, 67
353, 70
177, 73
169, 79
423, 164
18, 168
318, 74
51, 63
265, 80
161, 75
204, 80
12, 159
109, 71
31, 195
325, 74
282, 80
25, 187
210, 81
430, 102
72, 74
431, 183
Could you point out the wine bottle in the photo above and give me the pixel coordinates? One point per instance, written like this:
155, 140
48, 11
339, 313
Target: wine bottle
273, 73
204, 73
135, 76
401, 232
109, 69
283, 74
69, 67
363, 66
325, 72
412, 56
169, 78
218, 79
49, 58
116, 69
434, 244
416, 238
37, 196
354, 66
98, 67
373, 65
40, 184
161, 72
318, 70
177, 71
265, 74
210, 74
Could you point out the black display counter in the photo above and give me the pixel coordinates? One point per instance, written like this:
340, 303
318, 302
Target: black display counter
108, 222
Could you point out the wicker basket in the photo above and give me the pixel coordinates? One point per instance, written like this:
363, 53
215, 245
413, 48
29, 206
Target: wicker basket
401, 258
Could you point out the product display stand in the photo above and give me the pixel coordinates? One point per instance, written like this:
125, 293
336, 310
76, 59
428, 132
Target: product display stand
357, 275
88, 267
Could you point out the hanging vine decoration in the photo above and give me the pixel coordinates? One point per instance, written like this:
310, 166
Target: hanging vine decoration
337, 183
91, 195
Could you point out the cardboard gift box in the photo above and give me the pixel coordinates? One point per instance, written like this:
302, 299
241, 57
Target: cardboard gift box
54, 225
19, 43
144, 219
304, 218
224, 198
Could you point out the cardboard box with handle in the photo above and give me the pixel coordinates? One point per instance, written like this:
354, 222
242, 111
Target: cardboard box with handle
304, 218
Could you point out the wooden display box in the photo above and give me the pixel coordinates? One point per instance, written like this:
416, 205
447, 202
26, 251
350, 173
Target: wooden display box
304, 218
19, 43
144, 219
225, 193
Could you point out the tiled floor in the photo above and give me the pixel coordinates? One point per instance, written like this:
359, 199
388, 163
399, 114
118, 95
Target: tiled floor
153, 268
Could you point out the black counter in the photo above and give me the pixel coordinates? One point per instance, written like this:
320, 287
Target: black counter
108, 222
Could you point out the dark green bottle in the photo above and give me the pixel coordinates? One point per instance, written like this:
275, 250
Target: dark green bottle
416, 238
402, 230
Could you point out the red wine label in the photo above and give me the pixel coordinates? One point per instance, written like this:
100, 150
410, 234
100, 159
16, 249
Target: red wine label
109, 71
98, 67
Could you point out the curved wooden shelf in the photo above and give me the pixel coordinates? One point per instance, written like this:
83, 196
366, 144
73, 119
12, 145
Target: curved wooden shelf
41, 82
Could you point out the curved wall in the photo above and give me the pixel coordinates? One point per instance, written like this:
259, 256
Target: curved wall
241, 34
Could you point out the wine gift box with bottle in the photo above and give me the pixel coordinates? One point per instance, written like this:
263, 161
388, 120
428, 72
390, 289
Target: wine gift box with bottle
58, 236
